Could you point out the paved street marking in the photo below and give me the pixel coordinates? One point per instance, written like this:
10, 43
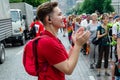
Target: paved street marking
91, 77
19, 52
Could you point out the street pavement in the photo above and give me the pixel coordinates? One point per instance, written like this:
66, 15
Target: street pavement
82, 71
12, 68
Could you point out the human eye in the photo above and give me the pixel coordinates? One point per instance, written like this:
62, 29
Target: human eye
60, 14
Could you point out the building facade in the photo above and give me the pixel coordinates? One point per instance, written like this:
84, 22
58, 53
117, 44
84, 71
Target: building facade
116, 5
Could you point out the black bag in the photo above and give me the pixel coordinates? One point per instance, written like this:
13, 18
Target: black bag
32, 32
96, 41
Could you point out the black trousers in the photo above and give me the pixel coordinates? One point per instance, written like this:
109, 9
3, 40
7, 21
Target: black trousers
103, 52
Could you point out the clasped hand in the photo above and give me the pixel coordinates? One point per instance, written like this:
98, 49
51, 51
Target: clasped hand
80, 37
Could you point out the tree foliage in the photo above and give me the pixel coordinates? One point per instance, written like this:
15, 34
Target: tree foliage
14, 1
90, 6
107, 7
34, 3
86, 7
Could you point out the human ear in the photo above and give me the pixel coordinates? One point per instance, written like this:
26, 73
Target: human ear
48, 19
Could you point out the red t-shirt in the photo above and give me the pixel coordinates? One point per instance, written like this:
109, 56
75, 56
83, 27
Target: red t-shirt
39, 27
65, 22
50, 52
32, 24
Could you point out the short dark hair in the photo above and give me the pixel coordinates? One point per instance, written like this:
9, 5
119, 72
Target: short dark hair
104, 16
36, 18
44, 9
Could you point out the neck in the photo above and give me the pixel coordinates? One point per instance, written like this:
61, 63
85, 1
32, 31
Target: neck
52, 30
94, 21
105, 24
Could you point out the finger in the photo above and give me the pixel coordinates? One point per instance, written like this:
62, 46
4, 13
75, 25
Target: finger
81, 29
85, 35
73, 33
87, 32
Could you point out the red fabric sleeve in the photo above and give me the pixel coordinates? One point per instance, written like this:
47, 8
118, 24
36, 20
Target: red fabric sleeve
32, 24
41, 28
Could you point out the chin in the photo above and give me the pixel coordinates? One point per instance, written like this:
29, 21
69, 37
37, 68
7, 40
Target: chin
62, 26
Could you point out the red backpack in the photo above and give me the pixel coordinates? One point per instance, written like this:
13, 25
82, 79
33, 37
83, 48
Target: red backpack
30, 58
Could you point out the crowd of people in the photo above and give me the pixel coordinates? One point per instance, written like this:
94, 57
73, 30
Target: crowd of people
105, 26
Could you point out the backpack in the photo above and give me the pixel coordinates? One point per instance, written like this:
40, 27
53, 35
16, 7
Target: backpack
32, 31
30, 58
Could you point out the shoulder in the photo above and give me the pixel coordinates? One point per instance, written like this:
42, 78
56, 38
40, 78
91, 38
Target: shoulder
32, 24
38, 22
89, 24
83, 21
116, 24
99, 27
48, 42
99, 23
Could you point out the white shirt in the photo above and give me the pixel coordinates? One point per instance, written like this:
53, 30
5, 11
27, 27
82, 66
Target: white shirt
116, 29
84, 23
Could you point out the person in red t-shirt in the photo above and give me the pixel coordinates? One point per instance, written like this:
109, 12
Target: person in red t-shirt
38, 26
65, 26
53, 60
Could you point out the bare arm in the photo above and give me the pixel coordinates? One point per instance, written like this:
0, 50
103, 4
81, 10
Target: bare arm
101, 35
68, 65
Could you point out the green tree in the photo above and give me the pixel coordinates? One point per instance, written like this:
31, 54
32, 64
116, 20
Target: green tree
34, 3
97, 5
107, 7
86, 7
90, 6
78, 8
14, 1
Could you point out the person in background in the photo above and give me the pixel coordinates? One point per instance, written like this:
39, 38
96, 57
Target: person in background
116, 71
92, 27
84, 23
102, 33
77, 23
70, 27
110, 25
114, 14
38, 26
116, 37
52, 55
65, 26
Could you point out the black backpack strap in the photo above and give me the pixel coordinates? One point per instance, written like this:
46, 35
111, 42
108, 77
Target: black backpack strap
35, 43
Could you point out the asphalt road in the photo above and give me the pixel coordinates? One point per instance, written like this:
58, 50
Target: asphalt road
12, 68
